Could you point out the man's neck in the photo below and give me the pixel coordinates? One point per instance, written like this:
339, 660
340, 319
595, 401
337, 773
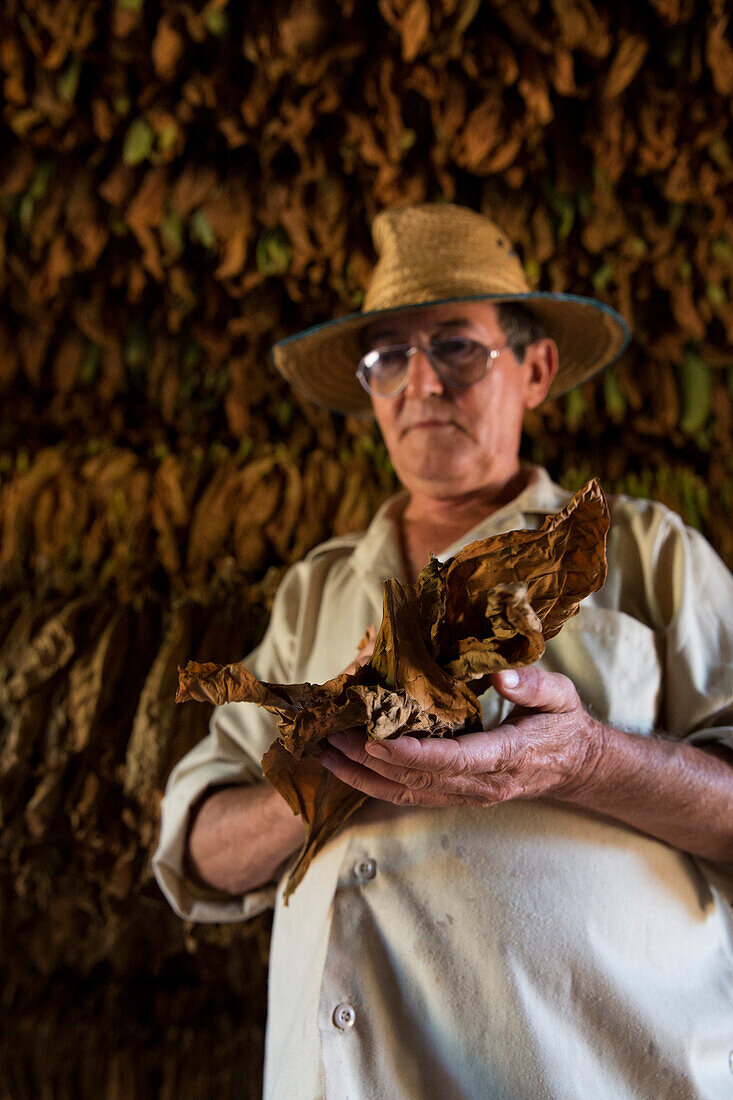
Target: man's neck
462, 511
431, 524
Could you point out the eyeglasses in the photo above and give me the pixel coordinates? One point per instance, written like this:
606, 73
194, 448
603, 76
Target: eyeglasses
457, 360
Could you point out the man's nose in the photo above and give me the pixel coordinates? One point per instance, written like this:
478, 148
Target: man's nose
422, 377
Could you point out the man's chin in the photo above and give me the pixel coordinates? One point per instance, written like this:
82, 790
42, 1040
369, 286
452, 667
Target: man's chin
433, 471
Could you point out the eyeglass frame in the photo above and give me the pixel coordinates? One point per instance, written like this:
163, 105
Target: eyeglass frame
491, 355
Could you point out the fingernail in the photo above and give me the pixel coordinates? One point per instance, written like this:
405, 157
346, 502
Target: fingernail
509, 678
374, 748
338, 740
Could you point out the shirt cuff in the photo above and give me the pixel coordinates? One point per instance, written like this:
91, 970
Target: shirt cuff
188, 899
721, 735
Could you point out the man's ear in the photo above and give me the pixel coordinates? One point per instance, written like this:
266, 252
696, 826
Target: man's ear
542, 361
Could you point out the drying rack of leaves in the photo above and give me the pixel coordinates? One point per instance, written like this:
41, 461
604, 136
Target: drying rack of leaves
180, 185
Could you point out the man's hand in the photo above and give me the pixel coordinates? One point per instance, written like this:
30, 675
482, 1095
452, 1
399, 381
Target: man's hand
549, 745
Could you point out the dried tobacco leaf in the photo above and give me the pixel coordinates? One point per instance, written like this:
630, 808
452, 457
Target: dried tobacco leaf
490, 607
154, 721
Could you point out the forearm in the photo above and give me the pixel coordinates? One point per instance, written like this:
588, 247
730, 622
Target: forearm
676, 792
240, 836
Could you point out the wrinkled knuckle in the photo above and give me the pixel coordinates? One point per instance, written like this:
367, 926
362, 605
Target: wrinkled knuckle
421, 781
504, 758
492, 793
462, 763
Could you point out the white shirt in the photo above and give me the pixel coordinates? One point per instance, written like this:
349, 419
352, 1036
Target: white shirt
522, 950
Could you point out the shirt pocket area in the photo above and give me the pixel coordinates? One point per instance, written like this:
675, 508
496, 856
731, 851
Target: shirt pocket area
614, 662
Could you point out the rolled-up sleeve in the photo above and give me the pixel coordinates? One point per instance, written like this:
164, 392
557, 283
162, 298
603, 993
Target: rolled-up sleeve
698, 642
231, 753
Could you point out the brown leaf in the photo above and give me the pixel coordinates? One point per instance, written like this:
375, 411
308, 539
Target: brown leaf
490, 607
154, 721
144, 215
719, 53
93, 677
167, 49
49, 650
414, 28
19, 499
627, 61
560, 564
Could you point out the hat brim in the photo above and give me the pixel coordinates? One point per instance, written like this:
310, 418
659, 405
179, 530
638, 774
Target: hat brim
321, 361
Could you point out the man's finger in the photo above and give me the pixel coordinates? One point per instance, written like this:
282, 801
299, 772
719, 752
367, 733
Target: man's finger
415, 788
537, 688
467, 754
367, 781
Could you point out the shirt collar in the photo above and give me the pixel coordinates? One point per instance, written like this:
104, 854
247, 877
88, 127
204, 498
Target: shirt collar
378, 552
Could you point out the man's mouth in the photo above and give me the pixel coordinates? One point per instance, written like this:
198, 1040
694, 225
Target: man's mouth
429, 423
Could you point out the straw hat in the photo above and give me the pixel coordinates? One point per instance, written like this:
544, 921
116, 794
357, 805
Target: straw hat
437, 253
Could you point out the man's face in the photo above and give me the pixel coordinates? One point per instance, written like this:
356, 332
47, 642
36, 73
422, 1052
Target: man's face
446, 441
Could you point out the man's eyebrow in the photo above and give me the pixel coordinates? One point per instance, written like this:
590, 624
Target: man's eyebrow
454, 322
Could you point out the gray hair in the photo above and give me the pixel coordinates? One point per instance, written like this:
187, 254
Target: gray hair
520, 327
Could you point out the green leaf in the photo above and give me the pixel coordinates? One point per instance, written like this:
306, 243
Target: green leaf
563, 209
136, 346
89, 362
284, 413
192, 355
171, 232
406, 140
201, 230
603, 276
613, 396
217, 23
675, 49
574, 409
675, 214
138, 143
722, 249
25, 213
38, 186
715, 293
719, 152
167, 137
273, 252
695, 384
67, 83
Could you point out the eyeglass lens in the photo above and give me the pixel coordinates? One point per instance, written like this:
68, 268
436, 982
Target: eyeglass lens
458, 360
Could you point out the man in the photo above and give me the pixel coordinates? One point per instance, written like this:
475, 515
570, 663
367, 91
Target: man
541, 909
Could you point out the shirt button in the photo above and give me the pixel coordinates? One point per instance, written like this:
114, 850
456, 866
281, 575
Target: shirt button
365, 869
344, 1016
